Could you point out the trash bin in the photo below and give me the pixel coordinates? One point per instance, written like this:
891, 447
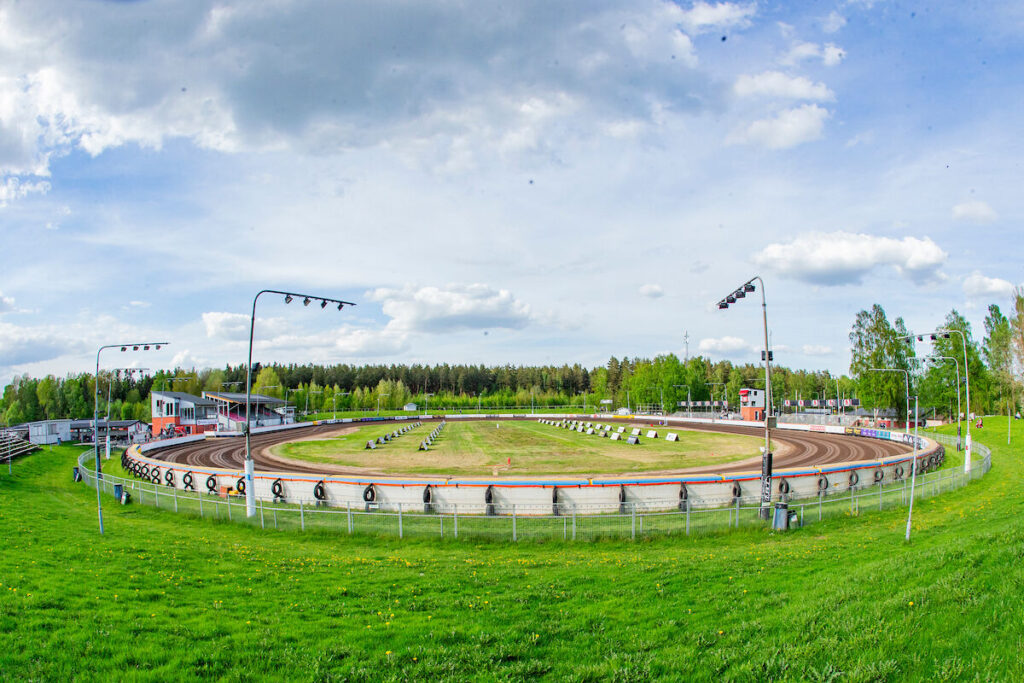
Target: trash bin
781, 521
76, 476
121, 495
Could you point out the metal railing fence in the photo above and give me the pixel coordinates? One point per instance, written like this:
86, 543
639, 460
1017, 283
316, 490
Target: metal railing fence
539, 523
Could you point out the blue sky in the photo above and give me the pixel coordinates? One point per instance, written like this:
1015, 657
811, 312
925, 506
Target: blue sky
491, 183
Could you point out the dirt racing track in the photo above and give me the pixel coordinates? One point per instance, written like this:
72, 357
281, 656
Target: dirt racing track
810, 461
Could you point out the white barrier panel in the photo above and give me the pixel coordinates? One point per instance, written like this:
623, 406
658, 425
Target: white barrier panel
538, 495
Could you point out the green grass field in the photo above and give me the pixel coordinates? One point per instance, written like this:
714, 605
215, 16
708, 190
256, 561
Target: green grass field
163, 597
481, 448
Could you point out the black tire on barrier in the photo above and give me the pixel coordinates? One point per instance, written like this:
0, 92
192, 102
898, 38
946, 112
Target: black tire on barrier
554, 501
155, 475
320, 491
822, 482
240, 485
898, 471
737, 490
684, 497
277, 488
854, 478
169, 477
783, 486
369, 494
427, 494
211, 483
879, 475
188, 481
145, 470
489, 500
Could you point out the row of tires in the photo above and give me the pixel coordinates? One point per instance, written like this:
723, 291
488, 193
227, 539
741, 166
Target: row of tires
856, 477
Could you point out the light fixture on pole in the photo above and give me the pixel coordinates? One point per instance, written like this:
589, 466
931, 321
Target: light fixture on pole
96, 416
250, 489
766, 355
944, 334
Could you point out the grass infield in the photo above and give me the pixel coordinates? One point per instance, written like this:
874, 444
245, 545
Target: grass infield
162, 597
518, 448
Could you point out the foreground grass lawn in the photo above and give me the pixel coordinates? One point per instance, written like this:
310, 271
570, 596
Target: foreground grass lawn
481, 448
161, 597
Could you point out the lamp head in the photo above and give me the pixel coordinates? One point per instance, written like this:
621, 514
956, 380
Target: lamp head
305, 302
749, 287
287, 298
739, 294
323, 304
730, 299
721, 306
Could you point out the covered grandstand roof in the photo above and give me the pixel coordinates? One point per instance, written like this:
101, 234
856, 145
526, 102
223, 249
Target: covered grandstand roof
182, 396
240, 398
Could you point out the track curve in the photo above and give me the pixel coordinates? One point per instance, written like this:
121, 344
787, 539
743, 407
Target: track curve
797, 449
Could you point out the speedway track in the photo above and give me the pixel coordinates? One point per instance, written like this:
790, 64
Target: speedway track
793, 448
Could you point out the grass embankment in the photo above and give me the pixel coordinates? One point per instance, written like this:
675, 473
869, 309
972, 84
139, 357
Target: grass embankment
161, 597
482, 448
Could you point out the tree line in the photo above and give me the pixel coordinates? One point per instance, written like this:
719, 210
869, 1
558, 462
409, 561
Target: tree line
994, 363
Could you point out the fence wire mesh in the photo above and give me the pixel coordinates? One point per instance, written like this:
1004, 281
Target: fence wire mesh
571, 523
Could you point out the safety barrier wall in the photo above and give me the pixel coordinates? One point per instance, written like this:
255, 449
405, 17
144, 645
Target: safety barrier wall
567, 522
539, 496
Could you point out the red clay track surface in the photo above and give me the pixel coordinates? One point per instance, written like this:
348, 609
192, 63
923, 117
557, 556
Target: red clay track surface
799, 449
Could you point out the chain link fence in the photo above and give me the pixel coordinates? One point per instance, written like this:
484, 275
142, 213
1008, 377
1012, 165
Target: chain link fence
535, 523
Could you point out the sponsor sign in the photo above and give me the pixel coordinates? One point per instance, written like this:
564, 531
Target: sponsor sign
766, 478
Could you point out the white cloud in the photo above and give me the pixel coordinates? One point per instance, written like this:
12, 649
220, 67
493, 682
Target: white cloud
703, 16
778, 84
833, 22
829, 54
974, 212
452, 308
816, 350
22, 345
841, 258
786, 129
832, 55
652, 291
977, 286
362, 343
722, 345
6, 303
234, 326
457, 82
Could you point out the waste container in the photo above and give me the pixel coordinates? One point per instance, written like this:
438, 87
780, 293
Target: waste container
781, 520
121, 495
76, 476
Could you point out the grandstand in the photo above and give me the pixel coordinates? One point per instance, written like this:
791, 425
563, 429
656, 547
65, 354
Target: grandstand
264, 410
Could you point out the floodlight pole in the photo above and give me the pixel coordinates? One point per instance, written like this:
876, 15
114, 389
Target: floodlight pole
967, 382
250, 491
766, 458
96, 414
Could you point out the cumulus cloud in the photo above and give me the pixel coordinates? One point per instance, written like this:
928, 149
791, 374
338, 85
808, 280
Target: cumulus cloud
22, 345
778, 84
652, 291
788, 128
816, 350
841, 258
829, 54
429, 77
977, 286
723, 345
704, 16
452, 308
974, 212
